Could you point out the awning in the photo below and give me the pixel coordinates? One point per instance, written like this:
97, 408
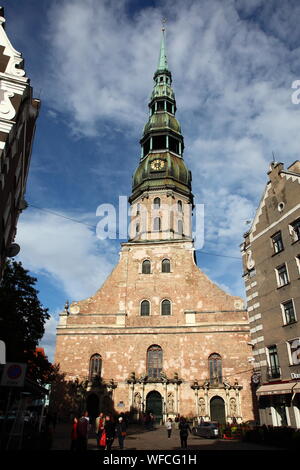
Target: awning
296, 389
275, 389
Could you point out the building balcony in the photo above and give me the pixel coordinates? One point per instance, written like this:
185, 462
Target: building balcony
273, 373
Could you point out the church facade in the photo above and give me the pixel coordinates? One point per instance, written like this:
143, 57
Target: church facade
159, 336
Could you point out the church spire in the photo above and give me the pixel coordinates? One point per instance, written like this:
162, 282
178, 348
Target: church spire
162, 61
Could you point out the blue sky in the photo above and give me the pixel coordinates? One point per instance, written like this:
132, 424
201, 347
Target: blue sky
91, 63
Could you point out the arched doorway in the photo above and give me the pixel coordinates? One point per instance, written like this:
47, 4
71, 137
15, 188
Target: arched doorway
154, 405
217, 410
92, 406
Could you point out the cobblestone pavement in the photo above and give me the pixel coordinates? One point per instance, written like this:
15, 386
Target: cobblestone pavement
140, 439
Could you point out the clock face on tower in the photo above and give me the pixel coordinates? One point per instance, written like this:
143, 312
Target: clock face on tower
157, 164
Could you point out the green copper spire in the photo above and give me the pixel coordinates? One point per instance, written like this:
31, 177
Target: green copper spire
162, 61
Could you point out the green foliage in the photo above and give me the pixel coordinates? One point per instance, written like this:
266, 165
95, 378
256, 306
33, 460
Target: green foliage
22, 319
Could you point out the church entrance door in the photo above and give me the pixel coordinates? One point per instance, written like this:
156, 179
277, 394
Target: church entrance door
217, 410
92, 406
154, 405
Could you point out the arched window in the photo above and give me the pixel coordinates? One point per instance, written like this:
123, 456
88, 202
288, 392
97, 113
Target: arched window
95, 366
137, 229
154, 361
166, 307
165, 266
156, 203
157, 224
146, 266
179, 206
180, 227
215, 369
145, 308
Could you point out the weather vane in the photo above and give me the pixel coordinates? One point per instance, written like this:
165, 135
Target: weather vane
163, 22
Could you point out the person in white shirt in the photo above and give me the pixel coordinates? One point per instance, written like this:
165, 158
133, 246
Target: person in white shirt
169, 426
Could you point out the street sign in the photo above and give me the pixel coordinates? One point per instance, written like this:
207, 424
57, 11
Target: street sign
13, 374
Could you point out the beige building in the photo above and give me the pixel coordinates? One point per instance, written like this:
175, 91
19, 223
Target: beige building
18, 114
159, 335
271, 258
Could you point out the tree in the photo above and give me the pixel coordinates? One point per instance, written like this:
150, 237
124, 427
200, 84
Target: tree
22, 318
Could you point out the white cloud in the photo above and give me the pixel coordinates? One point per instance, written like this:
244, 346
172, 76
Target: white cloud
68, 252
48, 341
232, 76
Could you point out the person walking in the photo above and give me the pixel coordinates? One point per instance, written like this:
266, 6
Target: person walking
184, 430
99, 427
110, 432
74, 435
121, 431
83, 431
169, 425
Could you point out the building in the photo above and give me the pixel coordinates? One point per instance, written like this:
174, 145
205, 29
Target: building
18, 114
159, 335
271, 259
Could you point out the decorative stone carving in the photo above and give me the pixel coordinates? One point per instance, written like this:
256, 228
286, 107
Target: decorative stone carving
137, 401
7, 111
15, 58
170, 403
202, 407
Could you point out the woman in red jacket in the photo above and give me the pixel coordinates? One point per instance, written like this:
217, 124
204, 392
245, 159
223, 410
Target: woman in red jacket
74, 435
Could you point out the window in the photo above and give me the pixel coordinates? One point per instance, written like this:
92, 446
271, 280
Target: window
145, 308
295, 230
156, 203
157, 224
180, 227
159, 142
215, 369
138, 208
137, 229
274, 369
146, 266
282, 275
277, 242
179, 206
169, 107
166, 307
154, 361
294, 351
174, 145
95, 366
146, 147
298, 263
288, 312
165, 266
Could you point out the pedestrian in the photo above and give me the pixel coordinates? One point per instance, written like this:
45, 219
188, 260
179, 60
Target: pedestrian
152, 421
184, 430
121, 431
169, 427
74, 435
110, 432
99, 428
177, 422
83, 431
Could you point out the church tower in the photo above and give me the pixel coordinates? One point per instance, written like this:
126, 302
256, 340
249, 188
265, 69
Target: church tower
158, 335
161, 197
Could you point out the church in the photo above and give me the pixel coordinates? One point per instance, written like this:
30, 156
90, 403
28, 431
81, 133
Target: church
159, 336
